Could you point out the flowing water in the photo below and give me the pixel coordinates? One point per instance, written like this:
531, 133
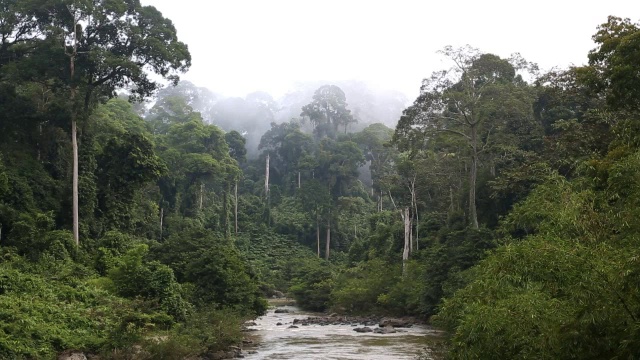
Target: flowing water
333, 341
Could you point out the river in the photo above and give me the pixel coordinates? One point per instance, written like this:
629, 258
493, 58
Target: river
273, 341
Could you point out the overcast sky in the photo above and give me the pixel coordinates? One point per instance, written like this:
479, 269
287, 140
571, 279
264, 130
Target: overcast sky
239, 46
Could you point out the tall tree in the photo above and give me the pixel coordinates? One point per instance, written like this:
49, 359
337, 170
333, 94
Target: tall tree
616, 62
328, 111
110, 45
470, 101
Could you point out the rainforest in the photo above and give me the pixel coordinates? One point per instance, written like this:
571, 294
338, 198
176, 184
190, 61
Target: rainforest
145, 217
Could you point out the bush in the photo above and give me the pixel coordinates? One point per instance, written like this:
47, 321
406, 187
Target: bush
358, 289
43, 313
311, 283
150, 280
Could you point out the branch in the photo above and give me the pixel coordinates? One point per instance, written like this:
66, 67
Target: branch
486, 142
455, 132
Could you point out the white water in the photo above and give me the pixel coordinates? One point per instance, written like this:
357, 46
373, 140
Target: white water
332, 341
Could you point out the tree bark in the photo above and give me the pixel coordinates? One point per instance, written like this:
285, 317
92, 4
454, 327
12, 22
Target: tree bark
298, 179
74, 134
235, 211
266, 191
201, 202
266, 178
318, 233
473, 175
161, 219
76, 216
407, 232
414, 203
328, 244
225, 210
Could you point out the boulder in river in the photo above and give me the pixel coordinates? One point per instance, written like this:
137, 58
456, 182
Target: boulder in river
281, 311
365, 329
396, 323
385, 330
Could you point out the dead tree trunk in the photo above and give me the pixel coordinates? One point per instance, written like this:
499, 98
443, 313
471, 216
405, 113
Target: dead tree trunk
328, 244
473, 176
414, 203
266, 178
235, 211
74, 133
74, 144
161, 219
407, 232
318, 233
201, 200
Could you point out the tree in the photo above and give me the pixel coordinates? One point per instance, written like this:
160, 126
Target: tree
615, 63
109, 45
316, 200
472, 101
328, 111
375, 141
238, 152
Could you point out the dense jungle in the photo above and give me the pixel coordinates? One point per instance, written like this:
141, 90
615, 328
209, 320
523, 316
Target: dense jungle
501, 205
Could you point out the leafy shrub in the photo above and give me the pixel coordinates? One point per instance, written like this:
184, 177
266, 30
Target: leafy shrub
311, 283
151, 280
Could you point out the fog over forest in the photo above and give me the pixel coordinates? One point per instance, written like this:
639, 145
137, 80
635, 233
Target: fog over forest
253, 114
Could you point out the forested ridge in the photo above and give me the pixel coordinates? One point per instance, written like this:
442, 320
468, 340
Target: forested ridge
502, 207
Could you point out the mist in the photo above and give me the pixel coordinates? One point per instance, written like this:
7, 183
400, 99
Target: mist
252, 115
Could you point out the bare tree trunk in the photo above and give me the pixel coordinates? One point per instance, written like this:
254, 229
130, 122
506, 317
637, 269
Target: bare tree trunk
298, 179
74, 144
410, 235
225, 210
414, 202
161, 219
201, 201
407, 232
318, 233
236, 208
74, 132
328, 244
473, 175
266, 190
417, 229
266, 176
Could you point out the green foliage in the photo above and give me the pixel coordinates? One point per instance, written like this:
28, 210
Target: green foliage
48, 307
271, 257
221, 278
546, 298
567, 290
615, 62
151, 280
214, 267
328, 111
364, 288
311, 283
207, 331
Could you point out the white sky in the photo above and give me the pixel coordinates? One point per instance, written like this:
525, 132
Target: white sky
240, 46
